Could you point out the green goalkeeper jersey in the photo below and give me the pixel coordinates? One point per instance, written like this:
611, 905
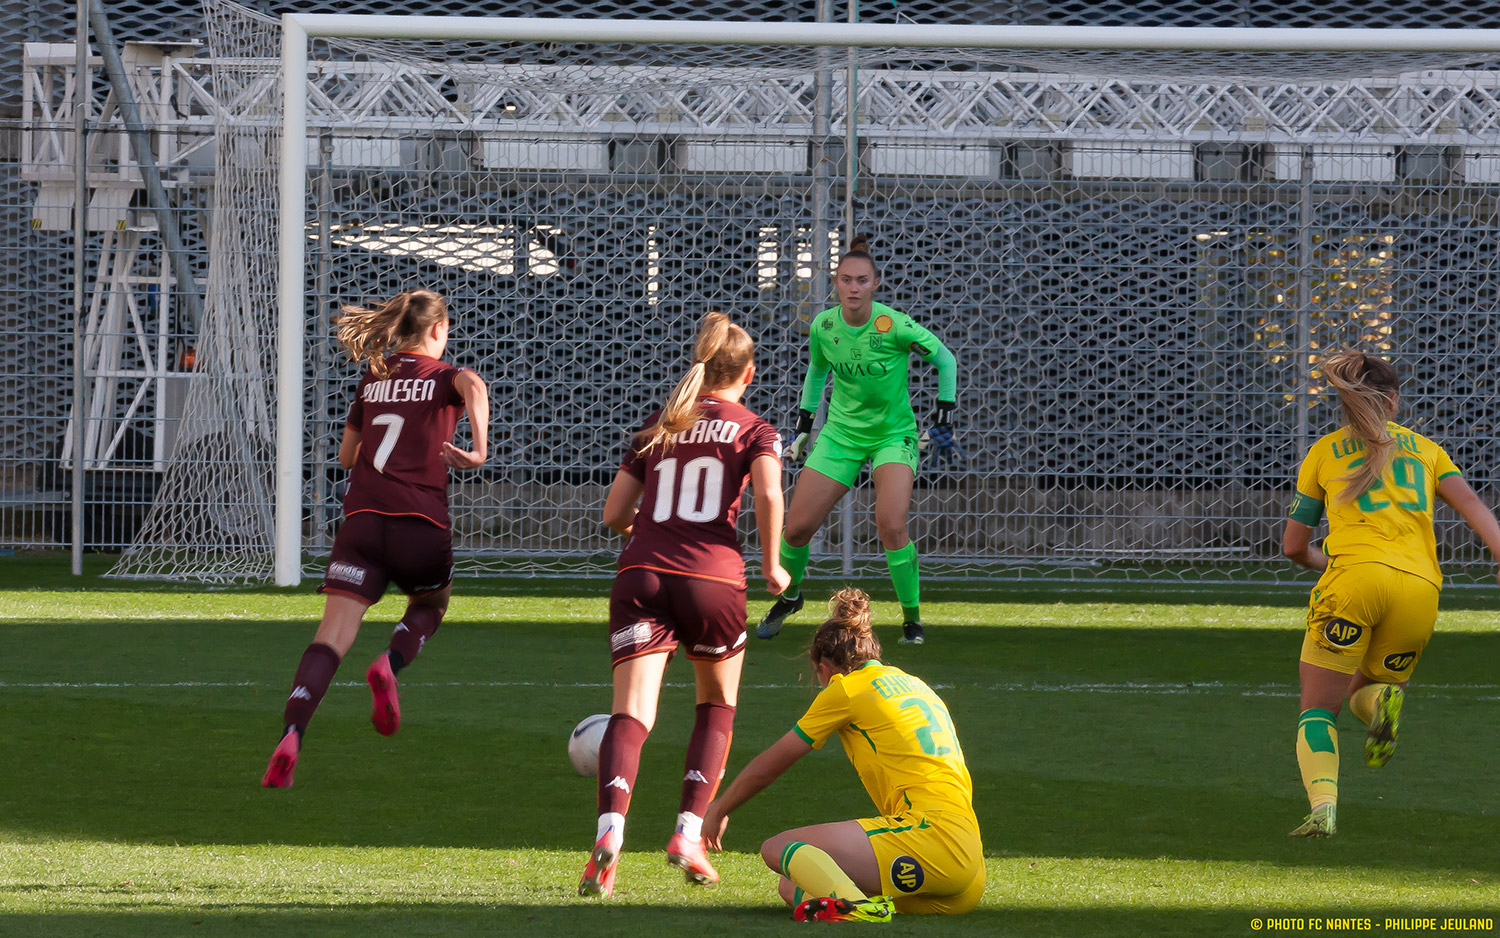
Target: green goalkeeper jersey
871, 368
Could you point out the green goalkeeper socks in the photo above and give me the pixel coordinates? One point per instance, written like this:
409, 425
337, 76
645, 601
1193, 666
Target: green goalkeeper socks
794, 561
903, 566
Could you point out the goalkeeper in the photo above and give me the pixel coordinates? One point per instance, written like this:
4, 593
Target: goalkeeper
868, 348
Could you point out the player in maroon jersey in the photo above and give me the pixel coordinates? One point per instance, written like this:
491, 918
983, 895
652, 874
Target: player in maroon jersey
681, 582
395, 526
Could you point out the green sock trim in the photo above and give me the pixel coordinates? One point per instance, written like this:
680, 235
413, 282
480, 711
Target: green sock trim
798, 895
794, 561
1316, 726
786, 855
902, 563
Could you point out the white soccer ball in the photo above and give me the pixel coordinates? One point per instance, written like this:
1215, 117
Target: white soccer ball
583, 745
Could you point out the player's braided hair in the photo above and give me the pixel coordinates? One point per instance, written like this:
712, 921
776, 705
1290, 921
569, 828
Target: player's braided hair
370, 335
1365, 384
720, 356
860, 248
846, 640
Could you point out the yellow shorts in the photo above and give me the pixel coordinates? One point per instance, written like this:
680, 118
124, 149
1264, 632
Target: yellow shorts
929, 863
1372, 618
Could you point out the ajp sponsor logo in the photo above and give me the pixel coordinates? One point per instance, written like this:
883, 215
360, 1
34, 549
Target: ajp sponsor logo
907, 874
1342, 633
1400, 661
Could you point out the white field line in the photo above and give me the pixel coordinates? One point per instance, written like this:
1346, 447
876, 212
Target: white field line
1205, 688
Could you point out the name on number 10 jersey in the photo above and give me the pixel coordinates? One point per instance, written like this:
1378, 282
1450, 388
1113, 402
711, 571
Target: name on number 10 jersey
691, 493
403, 421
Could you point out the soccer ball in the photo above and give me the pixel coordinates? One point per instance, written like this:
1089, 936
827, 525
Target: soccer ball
583, 745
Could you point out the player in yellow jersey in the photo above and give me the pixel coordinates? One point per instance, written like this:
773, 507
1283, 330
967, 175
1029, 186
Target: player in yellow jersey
1375, 605
922, 854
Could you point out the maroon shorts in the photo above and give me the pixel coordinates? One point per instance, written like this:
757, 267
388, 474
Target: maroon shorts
651, 611
373, 550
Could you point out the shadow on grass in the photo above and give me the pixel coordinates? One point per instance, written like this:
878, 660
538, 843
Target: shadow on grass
1081, 742
1168, 584
665, 921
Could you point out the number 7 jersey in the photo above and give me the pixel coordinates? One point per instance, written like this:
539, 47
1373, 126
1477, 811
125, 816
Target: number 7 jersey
1391, 523
403, 421
691, 493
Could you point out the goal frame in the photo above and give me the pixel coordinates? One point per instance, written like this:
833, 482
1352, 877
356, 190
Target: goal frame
299, 28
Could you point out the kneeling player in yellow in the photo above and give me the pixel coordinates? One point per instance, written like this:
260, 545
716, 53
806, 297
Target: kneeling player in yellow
923, 854
1374, 607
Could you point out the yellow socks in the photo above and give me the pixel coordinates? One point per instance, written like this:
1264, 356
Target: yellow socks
1318, 756
1362, 702
815, 873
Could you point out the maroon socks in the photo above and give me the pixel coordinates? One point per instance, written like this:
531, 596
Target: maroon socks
314, 673
708, 750
619, 761
413, 631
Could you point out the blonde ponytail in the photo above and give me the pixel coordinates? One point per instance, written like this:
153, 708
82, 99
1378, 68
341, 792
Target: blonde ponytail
1365, 384
720, 356
369, 335
846, 640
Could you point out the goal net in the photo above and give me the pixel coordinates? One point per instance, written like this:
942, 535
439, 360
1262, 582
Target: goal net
1138, 256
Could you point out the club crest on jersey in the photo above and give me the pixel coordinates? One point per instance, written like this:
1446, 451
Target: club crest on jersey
907, 874
1400, 661
877, 341
827, 323
1342, 633
883, 323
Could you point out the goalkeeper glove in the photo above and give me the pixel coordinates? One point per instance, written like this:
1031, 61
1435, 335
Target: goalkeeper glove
800, 436
940, 438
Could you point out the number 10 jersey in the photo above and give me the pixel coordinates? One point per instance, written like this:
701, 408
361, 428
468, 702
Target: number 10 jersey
691, 496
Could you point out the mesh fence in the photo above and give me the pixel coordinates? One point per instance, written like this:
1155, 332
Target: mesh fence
1138, 275
1137, 272
136, 332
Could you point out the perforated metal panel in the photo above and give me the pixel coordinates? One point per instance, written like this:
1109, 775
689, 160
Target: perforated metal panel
1122, 313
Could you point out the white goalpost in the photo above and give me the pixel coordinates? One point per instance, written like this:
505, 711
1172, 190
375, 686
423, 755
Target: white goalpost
1138, 240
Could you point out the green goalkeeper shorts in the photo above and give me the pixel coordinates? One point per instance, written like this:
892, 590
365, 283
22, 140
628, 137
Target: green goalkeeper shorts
840, 460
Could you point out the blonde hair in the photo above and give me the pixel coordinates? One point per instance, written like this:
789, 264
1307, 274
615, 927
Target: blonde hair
846, 640
860, 248
720, 356
1365, 384
369, 335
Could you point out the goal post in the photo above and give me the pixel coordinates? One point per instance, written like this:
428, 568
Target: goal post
1137, 240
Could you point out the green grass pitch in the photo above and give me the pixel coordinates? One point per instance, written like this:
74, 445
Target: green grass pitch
1131, 753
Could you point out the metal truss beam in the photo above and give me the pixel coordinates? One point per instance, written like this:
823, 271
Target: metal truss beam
178, 93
